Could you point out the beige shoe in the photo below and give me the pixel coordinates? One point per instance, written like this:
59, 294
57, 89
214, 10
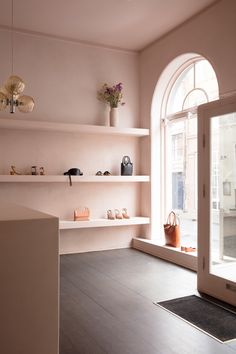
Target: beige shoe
118, 214
110, 215
125, 213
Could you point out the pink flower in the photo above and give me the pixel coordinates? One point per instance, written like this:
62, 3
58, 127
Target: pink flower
111, 95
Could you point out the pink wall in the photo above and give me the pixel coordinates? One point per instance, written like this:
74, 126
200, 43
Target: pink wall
63, 77
210, 34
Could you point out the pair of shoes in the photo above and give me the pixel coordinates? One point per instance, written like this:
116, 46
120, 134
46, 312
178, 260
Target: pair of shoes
117, 214
106, 173
123, 214
188, 249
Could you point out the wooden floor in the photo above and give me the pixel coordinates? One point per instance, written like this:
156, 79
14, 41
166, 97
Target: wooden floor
107, 306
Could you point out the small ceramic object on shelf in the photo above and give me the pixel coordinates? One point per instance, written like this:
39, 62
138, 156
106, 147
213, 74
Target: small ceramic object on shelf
34, 171
125, 214
41, 171
110, 215
118, 214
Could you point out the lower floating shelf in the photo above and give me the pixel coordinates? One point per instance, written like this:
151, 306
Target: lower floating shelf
66, 224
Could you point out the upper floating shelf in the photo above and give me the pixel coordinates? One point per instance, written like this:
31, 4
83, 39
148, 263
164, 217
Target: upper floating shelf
75, 179
70, 127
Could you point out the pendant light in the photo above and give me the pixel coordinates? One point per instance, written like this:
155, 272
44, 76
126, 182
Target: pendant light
10, 93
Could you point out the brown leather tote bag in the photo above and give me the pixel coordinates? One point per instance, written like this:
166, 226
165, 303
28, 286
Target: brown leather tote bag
172, 230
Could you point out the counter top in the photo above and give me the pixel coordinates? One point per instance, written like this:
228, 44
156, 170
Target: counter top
11, 211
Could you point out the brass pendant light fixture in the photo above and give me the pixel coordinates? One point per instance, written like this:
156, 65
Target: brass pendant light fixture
10, 93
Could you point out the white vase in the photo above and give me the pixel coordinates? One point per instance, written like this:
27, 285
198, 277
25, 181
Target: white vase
107, 119
114, 117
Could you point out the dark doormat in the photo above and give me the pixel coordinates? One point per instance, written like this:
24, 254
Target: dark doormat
208, 317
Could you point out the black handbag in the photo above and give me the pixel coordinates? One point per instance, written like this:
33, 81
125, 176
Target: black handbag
126, 166
73, 172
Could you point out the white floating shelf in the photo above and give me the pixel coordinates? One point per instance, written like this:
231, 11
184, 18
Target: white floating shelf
66, 225
75, 179
70, 127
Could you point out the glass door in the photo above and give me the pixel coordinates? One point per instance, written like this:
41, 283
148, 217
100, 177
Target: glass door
217, 199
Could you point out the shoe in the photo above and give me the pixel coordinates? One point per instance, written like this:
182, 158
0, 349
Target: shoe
118, 214
110, 215
188, 249
125, 213
99, 173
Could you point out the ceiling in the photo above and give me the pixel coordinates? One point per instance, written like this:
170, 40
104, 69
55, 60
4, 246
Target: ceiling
124, 24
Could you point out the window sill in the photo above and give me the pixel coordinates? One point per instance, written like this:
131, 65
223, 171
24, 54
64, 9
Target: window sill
174, 255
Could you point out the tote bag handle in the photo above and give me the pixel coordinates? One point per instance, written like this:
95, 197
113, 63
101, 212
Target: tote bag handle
172, 219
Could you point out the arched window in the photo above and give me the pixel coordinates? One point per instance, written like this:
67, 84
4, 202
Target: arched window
194, 83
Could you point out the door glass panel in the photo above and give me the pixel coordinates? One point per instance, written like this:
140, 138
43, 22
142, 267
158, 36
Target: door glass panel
182, 172
223, 196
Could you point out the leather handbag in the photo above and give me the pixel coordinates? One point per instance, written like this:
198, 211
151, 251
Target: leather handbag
172, 230
73, 172
126, 166
81, 214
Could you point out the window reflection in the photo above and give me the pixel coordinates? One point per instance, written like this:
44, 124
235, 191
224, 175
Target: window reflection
223, 187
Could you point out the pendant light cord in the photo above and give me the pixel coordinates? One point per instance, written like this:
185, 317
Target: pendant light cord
12, 39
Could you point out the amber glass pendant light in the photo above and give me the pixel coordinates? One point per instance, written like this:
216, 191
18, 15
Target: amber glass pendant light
10, 93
